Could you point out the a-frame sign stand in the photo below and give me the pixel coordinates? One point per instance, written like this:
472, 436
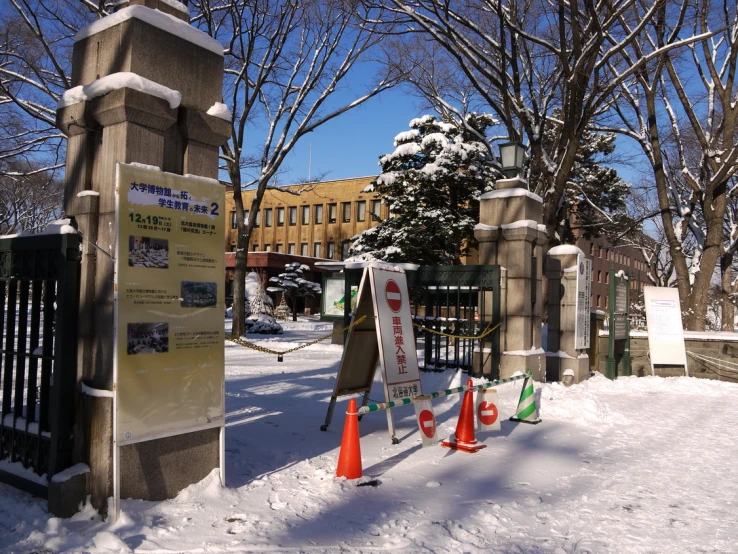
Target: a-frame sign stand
386, 335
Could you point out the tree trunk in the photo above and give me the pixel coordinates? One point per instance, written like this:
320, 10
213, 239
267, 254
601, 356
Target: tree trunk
294, 308
727, 309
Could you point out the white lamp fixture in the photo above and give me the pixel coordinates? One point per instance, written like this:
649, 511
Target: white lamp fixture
511, 158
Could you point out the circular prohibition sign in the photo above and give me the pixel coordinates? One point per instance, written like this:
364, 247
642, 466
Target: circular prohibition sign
487, 413
427, 423
393, 295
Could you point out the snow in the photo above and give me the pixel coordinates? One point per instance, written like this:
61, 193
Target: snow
532, 352
179, 6
565, 249
83, 193
161, 20
201, 178
145, 166
59, 227
630, 466
99, 393
68, 473
221, 111
510, 193
117, 81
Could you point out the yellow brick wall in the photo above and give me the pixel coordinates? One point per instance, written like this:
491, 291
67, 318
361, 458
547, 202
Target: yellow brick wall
339, 192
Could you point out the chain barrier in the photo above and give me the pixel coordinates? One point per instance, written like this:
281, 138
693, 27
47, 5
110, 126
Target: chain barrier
486, 332
280, 355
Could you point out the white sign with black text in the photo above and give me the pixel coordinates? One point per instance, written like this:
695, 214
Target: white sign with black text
583, 293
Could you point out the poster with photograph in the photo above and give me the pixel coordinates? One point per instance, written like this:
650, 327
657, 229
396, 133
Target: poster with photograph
169, 305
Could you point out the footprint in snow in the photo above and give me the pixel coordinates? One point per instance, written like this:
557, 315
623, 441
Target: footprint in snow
274, 502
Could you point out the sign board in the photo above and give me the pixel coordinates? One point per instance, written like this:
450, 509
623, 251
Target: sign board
169, 305
333, 298
488, 413
583, 294
385, 336
395, 335
426, 422
620, 306
664, 321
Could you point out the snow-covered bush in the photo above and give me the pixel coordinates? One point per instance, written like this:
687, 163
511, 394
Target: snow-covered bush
259, 307
293, 285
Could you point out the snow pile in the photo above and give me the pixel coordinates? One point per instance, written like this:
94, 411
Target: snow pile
564, 249
59, 227
117, 81
581, 404
221, 111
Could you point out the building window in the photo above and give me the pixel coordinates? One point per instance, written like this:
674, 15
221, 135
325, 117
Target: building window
258, 218
256, 248
599, 301
332, 213
291, 248
599, 276
280, 217
319, 214
607, 277
346, 211
331, 251
293, 215
278, 248
376, 207
591, 248
361, 210
599, 252
303, 249
267, 248
345, 245
305, 215
268, 217
316, 250
234, 221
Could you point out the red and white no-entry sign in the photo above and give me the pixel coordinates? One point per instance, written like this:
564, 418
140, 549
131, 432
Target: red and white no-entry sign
394, 298
426, 422
488, 414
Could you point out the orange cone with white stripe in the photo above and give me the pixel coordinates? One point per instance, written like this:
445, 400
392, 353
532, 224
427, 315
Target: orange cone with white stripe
464, 438
349, 460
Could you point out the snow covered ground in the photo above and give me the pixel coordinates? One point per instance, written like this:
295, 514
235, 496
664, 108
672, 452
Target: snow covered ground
632, 466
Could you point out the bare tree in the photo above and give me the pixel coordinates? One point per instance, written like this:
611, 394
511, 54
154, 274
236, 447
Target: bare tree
541, 67
287, 69
682, 109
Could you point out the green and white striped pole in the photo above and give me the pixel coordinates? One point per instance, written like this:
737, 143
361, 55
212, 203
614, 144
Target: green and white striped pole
527, 409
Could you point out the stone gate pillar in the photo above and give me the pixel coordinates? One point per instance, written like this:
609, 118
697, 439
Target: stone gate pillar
563, 361
511, 235
143, 54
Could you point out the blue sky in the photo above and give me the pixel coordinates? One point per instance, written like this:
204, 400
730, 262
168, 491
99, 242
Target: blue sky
350, 145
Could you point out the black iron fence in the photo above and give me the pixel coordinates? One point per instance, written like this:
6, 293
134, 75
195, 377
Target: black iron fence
452, 304
39, 296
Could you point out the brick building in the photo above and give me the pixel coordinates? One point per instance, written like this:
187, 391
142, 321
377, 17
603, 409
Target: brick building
318, 222
625, 258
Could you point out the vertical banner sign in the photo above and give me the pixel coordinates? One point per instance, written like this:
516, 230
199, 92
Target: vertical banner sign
620, 306
395, 334
169, 360
488, 413
426, 422
583, 293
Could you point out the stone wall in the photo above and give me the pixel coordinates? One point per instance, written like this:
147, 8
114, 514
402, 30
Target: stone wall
721, 348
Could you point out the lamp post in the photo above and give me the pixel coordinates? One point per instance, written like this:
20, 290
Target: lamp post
511, 158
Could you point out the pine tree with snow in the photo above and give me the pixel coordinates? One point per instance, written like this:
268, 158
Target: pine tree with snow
293, 285
431, 183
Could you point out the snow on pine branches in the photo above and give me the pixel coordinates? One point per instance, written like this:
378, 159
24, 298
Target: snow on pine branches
431, 183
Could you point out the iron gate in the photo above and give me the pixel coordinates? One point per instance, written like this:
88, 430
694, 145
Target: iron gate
39, 296
458, 302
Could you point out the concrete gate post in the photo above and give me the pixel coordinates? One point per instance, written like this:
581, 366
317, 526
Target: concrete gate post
511, 235
562, 356
127, 125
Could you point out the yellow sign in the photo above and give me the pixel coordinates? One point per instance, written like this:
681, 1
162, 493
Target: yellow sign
169, 305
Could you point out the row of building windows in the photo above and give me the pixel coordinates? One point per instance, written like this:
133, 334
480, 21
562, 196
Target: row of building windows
602, 300
616, 257
316, 252
317, 209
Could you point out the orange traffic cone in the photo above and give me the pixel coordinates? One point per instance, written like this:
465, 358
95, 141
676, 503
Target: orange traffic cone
349, 460
464, 439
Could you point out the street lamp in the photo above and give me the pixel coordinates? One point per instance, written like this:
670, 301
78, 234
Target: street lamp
511, 158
